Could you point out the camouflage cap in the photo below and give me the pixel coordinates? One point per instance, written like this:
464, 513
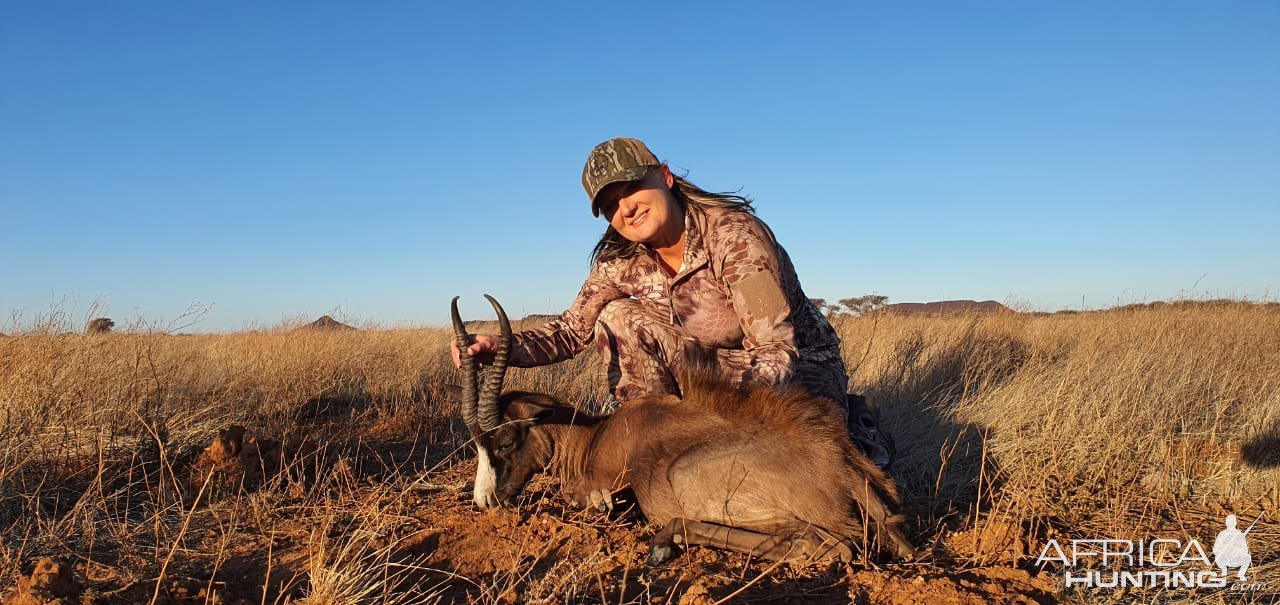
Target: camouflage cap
615, 161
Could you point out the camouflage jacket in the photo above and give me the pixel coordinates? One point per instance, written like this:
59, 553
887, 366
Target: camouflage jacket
737, 289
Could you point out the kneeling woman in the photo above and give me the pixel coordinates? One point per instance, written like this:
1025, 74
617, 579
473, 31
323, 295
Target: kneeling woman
678, 264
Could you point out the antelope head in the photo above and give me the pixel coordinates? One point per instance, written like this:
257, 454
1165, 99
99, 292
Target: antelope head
508, 455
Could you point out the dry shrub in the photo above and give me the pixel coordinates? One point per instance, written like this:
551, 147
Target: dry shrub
353, 563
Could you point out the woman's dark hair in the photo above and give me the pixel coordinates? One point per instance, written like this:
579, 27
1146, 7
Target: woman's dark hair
690, 197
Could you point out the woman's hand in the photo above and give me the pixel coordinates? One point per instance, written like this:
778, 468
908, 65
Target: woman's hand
482, 347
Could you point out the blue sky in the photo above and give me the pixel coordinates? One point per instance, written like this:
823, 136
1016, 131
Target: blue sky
373, 160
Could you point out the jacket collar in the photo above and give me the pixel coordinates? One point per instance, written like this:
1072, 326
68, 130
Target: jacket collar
695, 251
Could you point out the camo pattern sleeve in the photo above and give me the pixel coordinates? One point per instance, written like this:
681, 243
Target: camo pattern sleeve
570, 333
749, 262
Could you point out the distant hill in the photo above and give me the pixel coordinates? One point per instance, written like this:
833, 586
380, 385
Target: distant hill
490, 326
947, 307
326, 323
1207, 304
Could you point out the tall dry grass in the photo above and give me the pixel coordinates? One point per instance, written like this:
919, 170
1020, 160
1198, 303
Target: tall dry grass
1126, 424
1117, 424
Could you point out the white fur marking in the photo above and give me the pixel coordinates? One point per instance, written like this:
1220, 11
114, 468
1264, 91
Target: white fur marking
485, 493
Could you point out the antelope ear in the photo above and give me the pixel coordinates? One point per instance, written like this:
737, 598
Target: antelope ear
454, 391
528, 410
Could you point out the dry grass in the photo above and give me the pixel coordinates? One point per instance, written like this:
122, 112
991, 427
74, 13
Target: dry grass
1133, 423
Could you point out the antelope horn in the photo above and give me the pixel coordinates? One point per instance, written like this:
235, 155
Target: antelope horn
469, 379
487, 407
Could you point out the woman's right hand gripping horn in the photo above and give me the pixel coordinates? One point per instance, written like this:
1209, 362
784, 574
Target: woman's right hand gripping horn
482, 348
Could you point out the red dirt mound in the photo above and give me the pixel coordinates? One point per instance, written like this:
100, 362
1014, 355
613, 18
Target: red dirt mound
233, 461
993, 542
51, 583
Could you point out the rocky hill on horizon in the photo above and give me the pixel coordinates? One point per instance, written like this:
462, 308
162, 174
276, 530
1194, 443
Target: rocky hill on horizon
326, 323
947, 307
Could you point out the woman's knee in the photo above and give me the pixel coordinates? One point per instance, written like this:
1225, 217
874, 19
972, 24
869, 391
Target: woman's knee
619, 315
629, 329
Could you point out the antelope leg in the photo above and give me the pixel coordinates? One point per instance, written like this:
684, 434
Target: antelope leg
800, 544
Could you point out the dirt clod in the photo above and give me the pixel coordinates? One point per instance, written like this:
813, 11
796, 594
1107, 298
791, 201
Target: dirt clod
697, 594
51, 583
234, 461
993, 542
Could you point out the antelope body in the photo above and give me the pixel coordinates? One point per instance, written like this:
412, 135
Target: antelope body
770, 472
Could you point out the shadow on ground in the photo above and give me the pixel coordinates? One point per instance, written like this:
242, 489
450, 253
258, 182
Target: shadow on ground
1263, 451
944, 471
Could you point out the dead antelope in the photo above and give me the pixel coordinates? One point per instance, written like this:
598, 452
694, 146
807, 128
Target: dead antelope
770, 472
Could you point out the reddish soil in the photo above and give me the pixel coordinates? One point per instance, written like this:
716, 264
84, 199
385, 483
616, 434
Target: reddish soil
991, 542
537, 552
51, 582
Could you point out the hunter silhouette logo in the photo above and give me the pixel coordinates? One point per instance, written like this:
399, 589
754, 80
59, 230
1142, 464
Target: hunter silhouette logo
1231, 549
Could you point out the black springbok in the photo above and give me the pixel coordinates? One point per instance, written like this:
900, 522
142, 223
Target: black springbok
766, 471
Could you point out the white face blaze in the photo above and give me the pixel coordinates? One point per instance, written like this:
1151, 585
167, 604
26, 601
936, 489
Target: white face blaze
485, 495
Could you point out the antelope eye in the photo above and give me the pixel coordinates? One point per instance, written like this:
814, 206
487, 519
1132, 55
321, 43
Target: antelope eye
505, 446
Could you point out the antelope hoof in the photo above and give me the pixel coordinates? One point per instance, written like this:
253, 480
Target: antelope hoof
661, 552
844, 553
601, 500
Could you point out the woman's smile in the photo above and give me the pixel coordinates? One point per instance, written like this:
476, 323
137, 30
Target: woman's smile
635, 222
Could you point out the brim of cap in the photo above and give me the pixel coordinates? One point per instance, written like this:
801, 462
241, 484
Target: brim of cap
622, 176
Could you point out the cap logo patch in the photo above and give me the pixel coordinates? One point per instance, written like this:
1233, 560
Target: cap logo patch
599, 166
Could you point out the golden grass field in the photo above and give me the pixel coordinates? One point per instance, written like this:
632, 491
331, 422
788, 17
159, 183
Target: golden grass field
1012, 429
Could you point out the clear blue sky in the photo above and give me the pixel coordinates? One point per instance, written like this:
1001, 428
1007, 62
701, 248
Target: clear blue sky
375, 159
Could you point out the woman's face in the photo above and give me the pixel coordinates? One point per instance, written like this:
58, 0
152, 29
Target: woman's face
644, 210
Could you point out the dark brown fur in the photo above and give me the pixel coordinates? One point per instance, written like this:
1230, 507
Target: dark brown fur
769, 471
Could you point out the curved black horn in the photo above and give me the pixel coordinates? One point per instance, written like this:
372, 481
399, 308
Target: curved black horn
469, 380
487, 407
